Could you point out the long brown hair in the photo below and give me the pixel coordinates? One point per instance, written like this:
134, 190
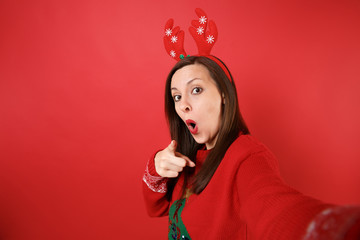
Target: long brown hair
232, 124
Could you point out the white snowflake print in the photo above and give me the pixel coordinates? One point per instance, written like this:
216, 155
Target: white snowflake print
172, 53
200, 30
174, 39
202, 20
168, 32
210, 39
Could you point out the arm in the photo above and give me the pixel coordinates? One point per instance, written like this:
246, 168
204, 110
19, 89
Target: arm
163, 165
272, 209
154, 191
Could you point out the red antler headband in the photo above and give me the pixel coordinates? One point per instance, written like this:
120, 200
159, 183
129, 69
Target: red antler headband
205, 39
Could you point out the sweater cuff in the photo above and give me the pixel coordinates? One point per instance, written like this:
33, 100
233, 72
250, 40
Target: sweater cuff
151, 166
334, 223
152, 179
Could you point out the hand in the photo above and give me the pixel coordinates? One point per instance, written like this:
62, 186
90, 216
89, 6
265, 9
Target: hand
169, 163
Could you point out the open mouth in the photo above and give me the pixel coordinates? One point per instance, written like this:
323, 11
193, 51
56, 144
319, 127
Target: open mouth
192, 126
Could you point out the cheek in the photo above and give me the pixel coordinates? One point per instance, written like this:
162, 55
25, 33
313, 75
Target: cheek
214, 109
212, 114
178, 112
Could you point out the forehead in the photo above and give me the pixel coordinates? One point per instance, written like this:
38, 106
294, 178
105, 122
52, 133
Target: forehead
190, 72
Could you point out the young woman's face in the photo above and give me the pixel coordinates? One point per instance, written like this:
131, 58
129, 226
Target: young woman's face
197, 102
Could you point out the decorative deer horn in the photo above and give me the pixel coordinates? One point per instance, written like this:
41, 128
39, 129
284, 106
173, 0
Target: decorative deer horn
205, 39
174, 40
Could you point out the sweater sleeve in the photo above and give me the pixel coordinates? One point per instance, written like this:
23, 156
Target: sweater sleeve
154, 191
270, 208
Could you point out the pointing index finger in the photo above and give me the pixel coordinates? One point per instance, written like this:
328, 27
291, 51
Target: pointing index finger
188, 161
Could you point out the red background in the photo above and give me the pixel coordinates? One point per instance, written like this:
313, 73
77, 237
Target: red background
81, 104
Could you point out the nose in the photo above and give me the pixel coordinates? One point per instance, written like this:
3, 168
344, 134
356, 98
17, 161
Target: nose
185, 105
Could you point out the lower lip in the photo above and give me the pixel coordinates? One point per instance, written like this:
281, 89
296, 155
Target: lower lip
194, 130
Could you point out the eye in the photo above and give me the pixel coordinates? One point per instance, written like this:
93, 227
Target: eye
196, 90
176, 98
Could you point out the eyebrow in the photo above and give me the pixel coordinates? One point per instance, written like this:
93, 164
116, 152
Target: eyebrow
190, 81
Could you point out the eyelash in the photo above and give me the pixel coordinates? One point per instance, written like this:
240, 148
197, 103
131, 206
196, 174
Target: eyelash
192, 91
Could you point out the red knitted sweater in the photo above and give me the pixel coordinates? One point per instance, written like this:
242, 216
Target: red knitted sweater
247, 199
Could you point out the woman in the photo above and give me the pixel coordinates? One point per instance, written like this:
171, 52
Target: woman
216, 181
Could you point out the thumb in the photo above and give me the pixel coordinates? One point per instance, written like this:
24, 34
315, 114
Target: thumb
172, 146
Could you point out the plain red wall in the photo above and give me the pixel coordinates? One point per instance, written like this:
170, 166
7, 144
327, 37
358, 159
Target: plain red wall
81, 104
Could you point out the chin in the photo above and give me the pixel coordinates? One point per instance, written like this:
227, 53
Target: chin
199, 140
203, 140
